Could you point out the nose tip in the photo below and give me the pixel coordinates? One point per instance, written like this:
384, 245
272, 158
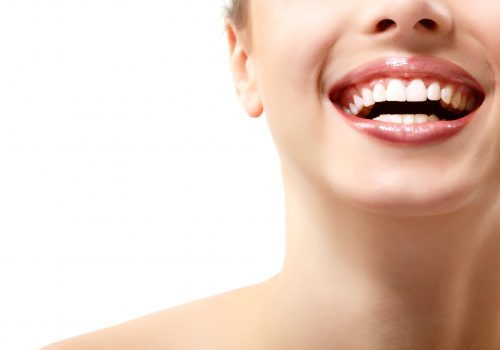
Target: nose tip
410, 17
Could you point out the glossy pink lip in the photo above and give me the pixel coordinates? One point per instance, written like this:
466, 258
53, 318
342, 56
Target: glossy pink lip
416, 134
407, 68
425, 67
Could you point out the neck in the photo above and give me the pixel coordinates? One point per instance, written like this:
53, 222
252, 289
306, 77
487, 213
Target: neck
355, 280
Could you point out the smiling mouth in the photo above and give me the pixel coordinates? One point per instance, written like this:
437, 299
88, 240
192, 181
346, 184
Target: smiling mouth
409, 102
404, 91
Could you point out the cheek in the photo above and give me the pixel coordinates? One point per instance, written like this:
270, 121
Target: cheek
481, 18
292, 38
486, 31
291, 48
491, 39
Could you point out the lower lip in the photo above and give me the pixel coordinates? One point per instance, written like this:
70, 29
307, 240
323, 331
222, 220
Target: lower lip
414, 134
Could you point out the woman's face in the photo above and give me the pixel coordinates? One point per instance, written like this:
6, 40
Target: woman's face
304, 61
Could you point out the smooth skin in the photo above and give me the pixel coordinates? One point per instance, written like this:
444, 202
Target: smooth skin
388, 248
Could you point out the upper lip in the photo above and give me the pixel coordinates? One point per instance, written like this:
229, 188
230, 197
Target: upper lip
425, 67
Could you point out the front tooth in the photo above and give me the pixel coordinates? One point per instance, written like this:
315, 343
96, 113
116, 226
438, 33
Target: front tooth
409, 119
379, 93
421, 118
396, 91
396, 118
367, 97
416, 91
433, 118
434, 92
456, 99
447, 94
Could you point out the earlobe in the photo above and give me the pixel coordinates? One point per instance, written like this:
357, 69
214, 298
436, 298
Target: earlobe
244, 76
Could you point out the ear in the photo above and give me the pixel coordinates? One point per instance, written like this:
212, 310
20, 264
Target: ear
243, 70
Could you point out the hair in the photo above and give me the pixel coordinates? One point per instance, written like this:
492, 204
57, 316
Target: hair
237, 13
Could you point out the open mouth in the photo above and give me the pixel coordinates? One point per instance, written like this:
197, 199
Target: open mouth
408, 101
408, 90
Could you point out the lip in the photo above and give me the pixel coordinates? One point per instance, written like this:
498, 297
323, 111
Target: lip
415, 134
424, 67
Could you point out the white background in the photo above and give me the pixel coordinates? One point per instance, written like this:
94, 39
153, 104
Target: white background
131, 180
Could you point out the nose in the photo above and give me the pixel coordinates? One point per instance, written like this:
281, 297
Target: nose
407, 19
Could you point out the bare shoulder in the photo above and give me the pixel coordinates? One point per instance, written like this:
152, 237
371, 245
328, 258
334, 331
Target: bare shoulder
223, 321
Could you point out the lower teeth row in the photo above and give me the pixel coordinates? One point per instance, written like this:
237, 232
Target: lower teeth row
407, 119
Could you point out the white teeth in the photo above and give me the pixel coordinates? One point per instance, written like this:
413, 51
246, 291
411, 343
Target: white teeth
455, 100
416, 91
447, 94
367, 97
383, 118
434, 92
421, 118
358, 102
396, 91
396, 118
407, 119
379, 93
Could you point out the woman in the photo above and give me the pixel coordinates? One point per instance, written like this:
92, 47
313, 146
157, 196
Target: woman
386, 116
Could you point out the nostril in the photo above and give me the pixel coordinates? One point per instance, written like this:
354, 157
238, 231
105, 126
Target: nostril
385, 24
428, 24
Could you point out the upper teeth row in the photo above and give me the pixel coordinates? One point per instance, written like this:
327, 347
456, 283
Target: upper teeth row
415, 91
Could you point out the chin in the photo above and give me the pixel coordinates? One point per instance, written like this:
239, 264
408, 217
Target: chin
421, 200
